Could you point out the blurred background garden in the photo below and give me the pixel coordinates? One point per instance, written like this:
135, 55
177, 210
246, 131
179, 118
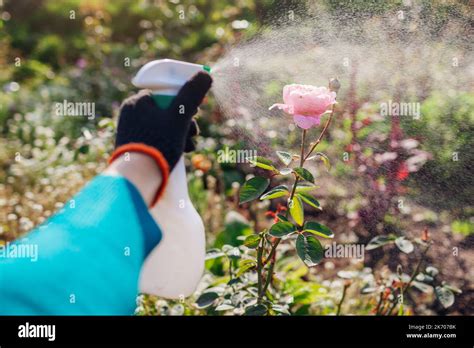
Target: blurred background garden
386, 176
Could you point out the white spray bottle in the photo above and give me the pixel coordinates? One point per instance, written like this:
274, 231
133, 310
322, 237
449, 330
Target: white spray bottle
173, 269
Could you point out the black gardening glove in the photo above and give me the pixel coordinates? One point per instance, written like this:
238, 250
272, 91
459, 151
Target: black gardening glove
167, 130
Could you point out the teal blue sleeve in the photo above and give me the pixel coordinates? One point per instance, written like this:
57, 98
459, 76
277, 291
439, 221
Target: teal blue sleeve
86, 259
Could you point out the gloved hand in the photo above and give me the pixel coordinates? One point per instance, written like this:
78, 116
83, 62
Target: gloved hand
163, 134
167, 130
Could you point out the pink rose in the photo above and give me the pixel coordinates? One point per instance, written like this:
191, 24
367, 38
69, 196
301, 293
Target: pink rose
306, 103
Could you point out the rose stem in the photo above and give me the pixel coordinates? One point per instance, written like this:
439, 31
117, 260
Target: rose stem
322, 133
271, 256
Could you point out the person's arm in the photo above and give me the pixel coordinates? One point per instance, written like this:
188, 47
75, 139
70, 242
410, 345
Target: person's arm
140, 170
86, 259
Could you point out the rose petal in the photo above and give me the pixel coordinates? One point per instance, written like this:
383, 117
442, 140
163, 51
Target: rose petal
306, 122
285, 107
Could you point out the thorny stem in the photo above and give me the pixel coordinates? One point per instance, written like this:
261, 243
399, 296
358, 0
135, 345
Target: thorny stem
413, 275
272, 256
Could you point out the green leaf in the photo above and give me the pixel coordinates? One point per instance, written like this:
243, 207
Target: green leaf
214, 254
425, 278
379, 241
309, 250
453, 288
305, 187
304, 174
83, 149
445, 296
262, 162
253, 188
224, 307
404, 245
421, 286
281, 229
432, 271
282, 217
256, 310
280, 309
285, 157
323, 158
252, 241
231, 252
307, 198
285, 171
318, 229
206, 299
276, 192
296, 210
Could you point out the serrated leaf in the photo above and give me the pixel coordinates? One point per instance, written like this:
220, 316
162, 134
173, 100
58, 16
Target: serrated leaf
296, 210
445, 296
281, 229
404, 245
318, 229
307, 198
309, 250
276, 192
252, 189
261, 162
304, 174
379, 241
252, 241
285, 157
